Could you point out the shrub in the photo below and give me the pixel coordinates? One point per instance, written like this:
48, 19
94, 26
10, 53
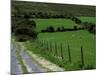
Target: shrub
92, 29
75, 27
77, 21
50, 29
58, 29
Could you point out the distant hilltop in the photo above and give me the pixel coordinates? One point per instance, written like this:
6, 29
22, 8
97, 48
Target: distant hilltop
54, 8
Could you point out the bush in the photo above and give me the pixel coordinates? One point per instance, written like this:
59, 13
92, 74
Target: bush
90, 27
50, 29
75, 27
62, 28
58, 29
25, 31
77, 21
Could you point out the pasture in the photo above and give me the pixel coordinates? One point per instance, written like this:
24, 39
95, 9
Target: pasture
69, 40
44, 23
88, 19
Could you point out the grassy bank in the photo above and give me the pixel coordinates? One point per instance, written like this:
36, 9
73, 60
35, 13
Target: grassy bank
75, 41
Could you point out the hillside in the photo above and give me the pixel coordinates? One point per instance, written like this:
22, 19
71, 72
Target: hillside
53, 8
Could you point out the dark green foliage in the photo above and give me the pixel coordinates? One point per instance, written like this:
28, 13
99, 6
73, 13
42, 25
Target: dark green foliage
61, 29
58, 29
75, 27
50, 29
23, 28
90, 27
77, 21
25, 31
52, 10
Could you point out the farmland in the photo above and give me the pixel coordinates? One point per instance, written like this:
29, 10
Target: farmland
62, 33
88, 19
75, 40
44, 23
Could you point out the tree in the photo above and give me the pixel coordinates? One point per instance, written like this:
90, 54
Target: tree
50, 29
23, 28
75, 27
77, 21
58, 29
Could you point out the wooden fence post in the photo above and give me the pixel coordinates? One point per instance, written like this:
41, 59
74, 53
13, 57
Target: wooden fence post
42, 43
47, 46
82, 56
69, 54
51, 47
56, 52
61, 51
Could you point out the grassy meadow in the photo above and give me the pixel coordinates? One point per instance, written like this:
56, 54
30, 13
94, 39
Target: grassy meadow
44, 23
75, 39
88, 19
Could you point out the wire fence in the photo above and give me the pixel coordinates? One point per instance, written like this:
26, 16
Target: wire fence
61, 50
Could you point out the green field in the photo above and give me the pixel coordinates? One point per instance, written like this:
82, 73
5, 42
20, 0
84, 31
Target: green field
88, 19
75, 39
44, 23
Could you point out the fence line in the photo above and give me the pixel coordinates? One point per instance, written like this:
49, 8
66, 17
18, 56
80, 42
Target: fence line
52, 47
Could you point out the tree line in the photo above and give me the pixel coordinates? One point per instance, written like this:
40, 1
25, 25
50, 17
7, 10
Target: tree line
23, 28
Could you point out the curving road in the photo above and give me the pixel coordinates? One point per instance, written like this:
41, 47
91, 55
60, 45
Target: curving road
15, 67
31, 65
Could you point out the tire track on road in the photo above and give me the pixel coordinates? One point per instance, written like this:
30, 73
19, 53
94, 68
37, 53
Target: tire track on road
32, 67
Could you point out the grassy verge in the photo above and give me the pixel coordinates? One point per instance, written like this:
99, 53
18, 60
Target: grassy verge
33, 47
35, 61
